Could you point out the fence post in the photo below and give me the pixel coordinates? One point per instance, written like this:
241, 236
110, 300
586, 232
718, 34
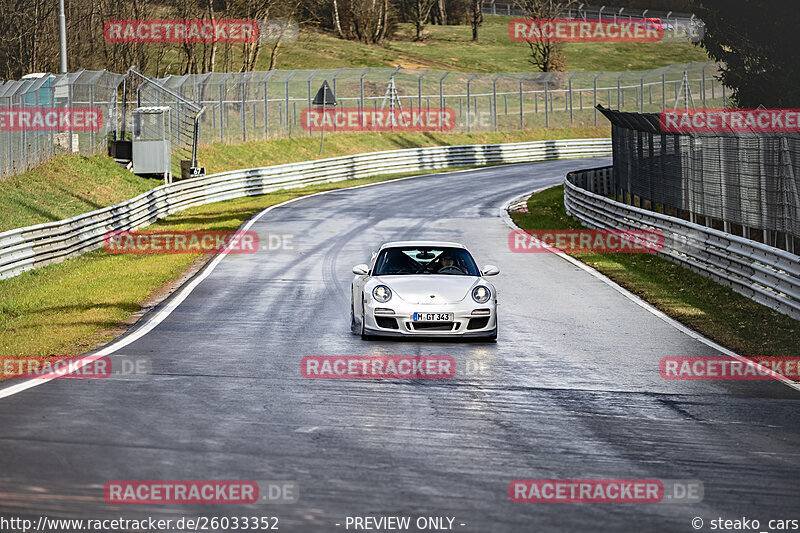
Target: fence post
286, 99
70, 104
23, 160
243, 118
419, 90
266, 109
221, 105
10, 149
91, 104
546, 107
308, 94
362, 119
494, 101
594, 95
704, 84
469, 103
441, 95
641, 94
570, 96
336, 75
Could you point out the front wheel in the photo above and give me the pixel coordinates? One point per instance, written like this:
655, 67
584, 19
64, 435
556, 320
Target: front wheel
364, 336
493, 337
354, 329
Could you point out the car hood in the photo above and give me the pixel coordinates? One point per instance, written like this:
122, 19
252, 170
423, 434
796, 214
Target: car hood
418, 289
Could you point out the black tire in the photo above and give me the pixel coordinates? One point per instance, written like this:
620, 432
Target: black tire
493, 337
364, 336
353, 326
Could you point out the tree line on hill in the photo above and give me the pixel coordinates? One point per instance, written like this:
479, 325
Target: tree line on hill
755, 39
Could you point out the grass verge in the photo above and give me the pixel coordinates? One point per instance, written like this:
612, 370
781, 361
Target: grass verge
65, 186
714, 310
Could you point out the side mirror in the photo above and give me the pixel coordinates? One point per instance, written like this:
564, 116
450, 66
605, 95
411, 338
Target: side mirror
490, 270
361, 270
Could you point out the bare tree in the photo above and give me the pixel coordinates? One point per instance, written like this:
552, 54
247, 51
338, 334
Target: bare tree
363, 20
439, 13
418, 13
475, 16
546, 55
285, 28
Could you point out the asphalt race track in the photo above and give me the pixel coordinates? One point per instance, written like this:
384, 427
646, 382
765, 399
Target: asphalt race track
571, 390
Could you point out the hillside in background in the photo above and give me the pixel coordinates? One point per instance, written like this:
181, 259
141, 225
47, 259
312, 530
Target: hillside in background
452, 48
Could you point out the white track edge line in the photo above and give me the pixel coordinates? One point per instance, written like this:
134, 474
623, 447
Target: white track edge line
641, 302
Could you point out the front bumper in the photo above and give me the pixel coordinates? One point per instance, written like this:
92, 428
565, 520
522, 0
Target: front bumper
399, 324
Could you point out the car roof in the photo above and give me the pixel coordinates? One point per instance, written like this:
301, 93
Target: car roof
424, 244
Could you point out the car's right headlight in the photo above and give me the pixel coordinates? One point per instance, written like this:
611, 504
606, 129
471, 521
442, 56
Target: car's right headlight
382, 293
481, 294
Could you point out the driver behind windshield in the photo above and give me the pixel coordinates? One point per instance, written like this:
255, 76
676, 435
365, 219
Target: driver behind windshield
399, 261
446, 263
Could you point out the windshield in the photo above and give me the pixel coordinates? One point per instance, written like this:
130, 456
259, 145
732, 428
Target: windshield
422, 260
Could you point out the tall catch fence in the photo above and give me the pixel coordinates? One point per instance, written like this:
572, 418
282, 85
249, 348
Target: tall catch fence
676, 25
23, 149
238, 107
742, 183
268, 105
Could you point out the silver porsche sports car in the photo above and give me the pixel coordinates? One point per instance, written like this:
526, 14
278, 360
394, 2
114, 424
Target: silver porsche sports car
423, 289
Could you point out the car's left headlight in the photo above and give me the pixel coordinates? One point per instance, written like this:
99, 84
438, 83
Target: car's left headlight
481, 294
382, 293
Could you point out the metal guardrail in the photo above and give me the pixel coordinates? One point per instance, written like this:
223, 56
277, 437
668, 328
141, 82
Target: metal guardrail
35, 246
768, 275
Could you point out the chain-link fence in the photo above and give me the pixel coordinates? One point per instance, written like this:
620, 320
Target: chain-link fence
677, 26
581, 10
742, 183
239, 107
24, 147
266, 105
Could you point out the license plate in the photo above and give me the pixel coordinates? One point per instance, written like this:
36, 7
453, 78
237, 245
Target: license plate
432, 317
